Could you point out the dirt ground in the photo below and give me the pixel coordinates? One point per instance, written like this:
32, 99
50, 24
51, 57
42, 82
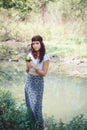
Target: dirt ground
73, 66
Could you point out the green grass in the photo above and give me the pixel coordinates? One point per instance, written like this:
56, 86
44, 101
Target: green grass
66, 49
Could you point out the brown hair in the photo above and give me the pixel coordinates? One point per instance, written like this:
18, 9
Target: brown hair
42, 49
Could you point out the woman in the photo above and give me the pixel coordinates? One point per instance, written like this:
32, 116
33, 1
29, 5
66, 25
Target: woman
34, 86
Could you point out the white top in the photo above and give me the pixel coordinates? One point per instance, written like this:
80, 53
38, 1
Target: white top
37, 63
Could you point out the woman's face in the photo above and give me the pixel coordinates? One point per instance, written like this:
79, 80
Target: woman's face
36, 45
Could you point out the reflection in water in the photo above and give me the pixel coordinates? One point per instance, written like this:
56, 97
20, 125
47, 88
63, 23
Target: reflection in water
64, 97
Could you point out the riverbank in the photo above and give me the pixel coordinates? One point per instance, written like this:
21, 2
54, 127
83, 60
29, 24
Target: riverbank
72, 65
69, 65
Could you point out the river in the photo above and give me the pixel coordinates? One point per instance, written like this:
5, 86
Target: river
64, 97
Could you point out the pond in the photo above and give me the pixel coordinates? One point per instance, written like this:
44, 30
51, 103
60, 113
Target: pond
65, 97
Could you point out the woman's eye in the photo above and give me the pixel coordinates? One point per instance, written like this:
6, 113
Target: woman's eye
37, 43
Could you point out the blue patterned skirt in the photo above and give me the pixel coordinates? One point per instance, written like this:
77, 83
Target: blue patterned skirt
33, 95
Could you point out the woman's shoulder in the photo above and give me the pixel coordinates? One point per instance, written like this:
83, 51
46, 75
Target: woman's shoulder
46, 57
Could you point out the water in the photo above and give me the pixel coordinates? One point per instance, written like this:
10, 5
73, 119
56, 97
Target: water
65, 97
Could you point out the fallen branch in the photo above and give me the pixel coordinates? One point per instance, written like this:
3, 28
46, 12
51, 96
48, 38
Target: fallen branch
10, 60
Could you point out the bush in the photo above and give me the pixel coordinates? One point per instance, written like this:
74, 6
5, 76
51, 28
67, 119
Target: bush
14, 117
77, 123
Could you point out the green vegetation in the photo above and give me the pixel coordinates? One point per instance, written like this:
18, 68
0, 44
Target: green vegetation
16, 117
62, 21
63, 26
12, 116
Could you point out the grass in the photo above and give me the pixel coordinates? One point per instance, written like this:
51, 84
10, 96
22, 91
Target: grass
61, 39
66, 49
25, 30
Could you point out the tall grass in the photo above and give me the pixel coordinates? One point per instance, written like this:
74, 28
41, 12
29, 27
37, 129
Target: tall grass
62, 33
63, 39
50, 30
62, 50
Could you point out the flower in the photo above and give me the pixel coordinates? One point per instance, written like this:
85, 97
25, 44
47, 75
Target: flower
28, 59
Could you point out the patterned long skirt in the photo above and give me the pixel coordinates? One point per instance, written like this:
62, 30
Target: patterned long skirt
33, 95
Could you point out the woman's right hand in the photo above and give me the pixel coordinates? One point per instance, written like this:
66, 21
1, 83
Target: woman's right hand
30, 64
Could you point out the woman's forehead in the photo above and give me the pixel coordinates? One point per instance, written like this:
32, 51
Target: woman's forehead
35, 42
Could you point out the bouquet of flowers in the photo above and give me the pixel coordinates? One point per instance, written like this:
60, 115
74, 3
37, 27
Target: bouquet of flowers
28, 59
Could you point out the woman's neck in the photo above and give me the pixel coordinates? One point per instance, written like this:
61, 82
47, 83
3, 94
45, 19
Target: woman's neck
38, 54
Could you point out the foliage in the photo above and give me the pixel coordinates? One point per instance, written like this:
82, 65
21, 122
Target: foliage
17, 4
74, 9
69, 17
68, 8
5, 51
77, 123
6, 102
7, 4
22, 6
12, 74
9, 51
12, 116
16, 117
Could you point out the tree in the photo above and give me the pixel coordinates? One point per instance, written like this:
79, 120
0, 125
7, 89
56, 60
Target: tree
43, 7
22, 6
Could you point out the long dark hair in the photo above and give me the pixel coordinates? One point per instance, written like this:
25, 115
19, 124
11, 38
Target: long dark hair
42, 49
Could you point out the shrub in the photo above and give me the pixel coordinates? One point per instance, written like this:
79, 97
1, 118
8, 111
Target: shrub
16, 117
12, 116
77, 123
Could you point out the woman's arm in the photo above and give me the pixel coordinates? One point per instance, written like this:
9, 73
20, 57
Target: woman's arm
27, 67
44, 70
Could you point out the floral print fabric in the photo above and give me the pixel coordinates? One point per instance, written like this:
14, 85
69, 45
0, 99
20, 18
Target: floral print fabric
34, 95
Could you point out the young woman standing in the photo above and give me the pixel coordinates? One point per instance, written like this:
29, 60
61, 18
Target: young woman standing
36, 70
